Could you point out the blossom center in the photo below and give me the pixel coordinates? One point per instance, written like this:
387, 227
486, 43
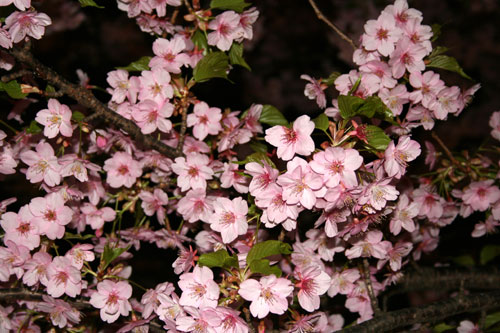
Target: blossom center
50, 215
123, 169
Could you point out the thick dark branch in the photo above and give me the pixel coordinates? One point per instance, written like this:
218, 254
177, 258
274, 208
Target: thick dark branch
87, 99
429, 313
13, 295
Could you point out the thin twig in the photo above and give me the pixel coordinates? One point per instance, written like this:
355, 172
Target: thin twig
323, 18
14, 295
365, 270
182, 132
446, 150
87, 99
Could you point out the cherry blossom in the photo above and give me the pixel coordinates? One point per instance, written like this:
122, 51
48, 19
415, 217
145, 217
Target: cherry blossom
267, 295
372, 245
314, 90
57, 118
36, 269
122, 87
193, 171
381, 34
168, 54
337, 165
96, 217
20, 228
312, 283
80, 253
206, 120
229, 218
29, 23
51, 215
196, 205
151, 116
155, 85
226, 30
495, 125
407, 57
60, 312
63, 278
291, 141
43, 164
199, 288
113, 299
12, 259
398, 156
153, 203
122, 170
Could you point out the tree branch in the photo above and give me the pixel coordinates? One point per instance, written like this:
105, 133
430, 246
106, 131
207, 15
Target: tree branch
323, 18
428, 313
13, 295
87, 99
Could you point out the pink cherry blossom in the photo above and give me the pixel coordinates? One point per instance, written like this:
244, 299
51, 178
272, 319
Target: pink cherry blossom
155, 85
495, 125
419, 34
263, 176
20, 228
231, 322
430, 203
407, 57
151, 300
113, 299
312, 283
169, 307
28, 23
394, 98
195, 206
226, 30
36, 269
232, 177
403, 215
96, 217
12, 259
343, 282
395, 255
402, 13
57, 118
203, 320
398, 156
8, 162
60, 312
151, 116
368, 85
314, 90
20, 4
276, 208
381, 34
378, 193
122, 87
43, 164
168, 54
267, 295
486, 227
337, 165
332, 217
301, 184
467, 326
153, 203
206, 120
480, 195
251, 119
381, 70
193, 171
291, 141
80, 253
122, 170
372, 245
51, 215
447, 101
161, 5
247, 19
199, 288
63, 278
229, 218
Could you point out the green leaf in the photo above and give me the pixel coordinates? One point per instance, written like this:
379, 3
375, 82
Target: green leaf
236, 56
89, 3
442, 327
236, 5
69, 235
436, 31
447, 63
321, 122
259, 157
349, 105
437, 51
272, 116
465, 260
377, 138
491, 319
110, 254
218, 259
268, 248
138, 66
33, 128
355, 86
77, 116
263, 267
50, 89
258, 147
211, 66
373, 106
200, 40
13, 89
488, 253
331, 79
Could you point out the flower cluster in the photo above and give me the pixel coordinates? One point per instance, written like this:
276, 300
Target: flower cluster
247, 254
